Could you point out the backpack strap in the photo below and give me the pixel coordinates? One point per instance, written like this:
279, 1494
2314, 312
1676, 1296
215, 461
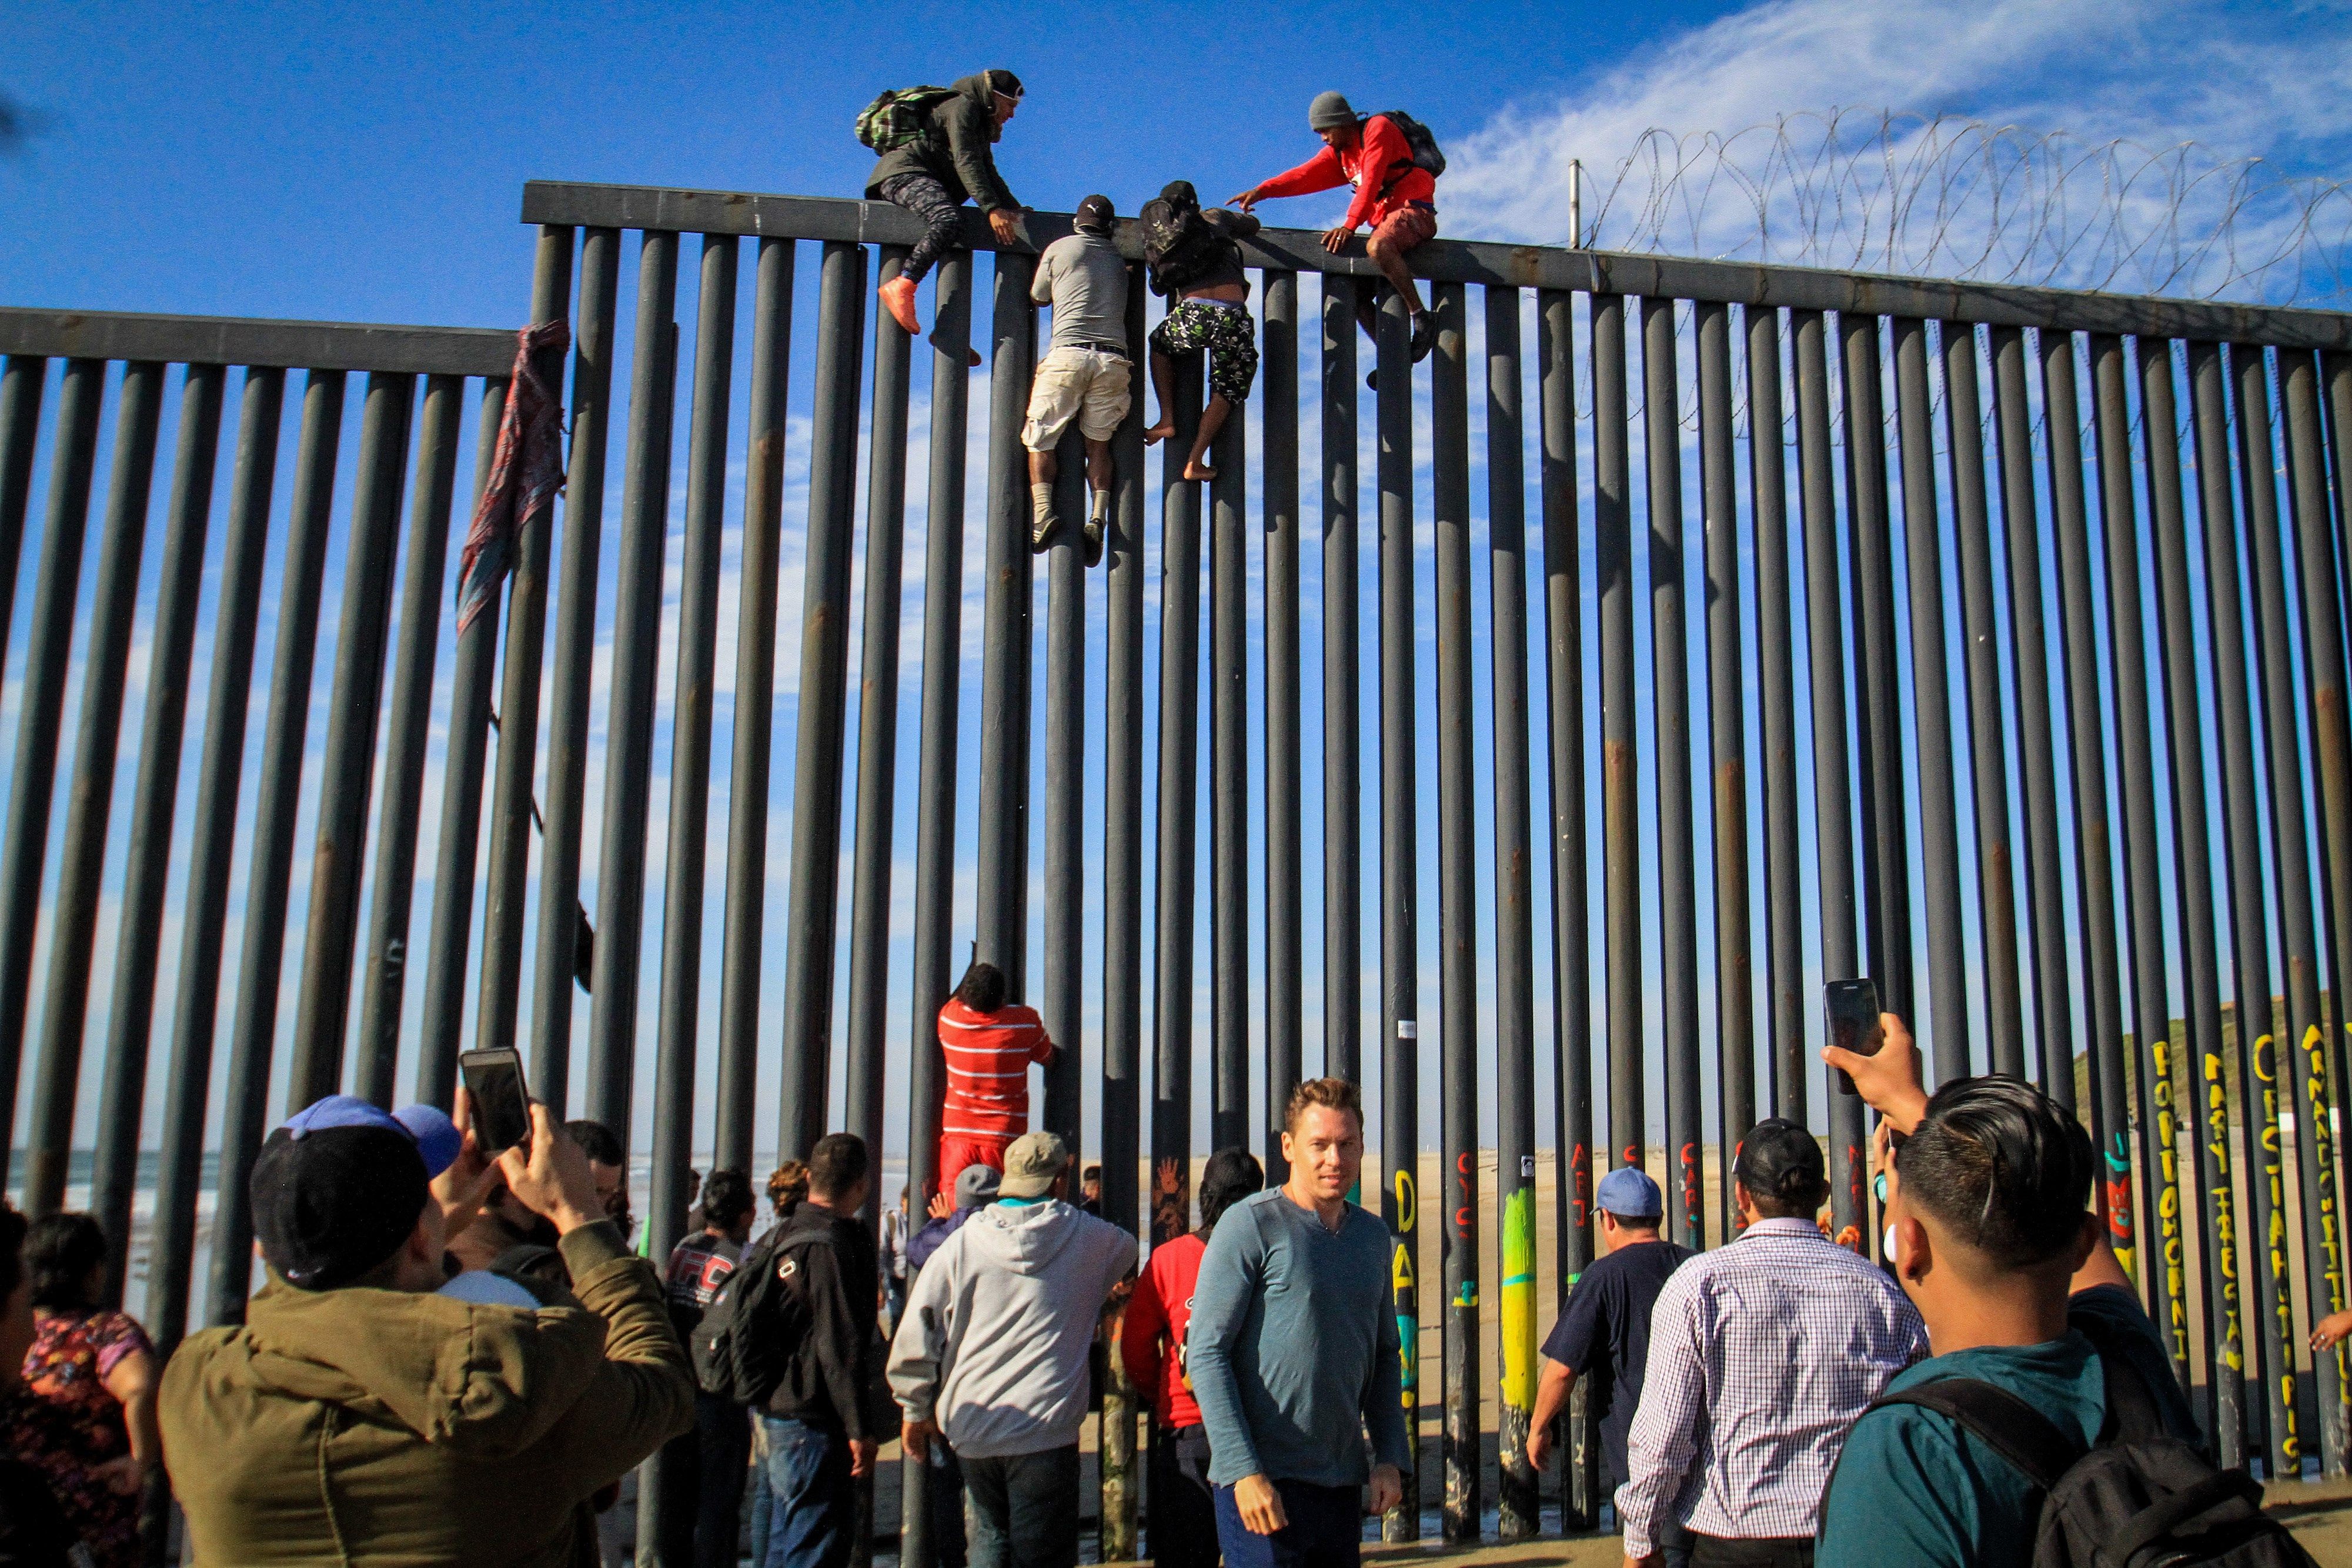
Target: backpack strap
2161, 1519
2015, 1430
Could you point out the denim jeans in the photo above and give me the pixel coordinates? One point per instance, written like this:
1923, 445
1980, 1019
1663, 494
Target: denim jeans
813, 1518
1024, 1509
1326, 1528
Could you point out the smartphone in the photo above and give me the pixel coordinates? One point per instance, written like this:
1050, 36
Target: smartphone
501, 1102
1853, 1021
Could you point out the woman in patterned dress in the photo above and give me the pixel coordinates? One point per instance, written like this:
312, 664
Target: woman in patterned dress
85, 1417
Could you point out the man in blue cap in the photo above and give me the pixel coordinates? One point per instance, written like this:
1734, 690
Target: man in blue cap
1604, 1333
358, 1414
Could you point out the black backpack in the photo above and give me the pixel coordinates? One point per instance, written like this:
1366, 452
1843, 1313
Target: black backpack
2139, 1498
1426, 154
749, 1332
1178, 246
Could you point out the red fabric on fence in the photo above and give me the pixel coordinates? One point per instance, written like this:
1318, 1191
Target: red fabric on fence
525, 473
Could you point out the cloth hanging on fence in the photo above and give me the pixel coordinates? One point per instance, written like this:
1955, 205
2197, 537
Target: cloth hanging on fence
526, 472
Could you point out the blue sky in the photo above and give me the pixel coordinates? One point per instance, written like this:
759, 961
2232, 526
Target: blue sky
365, 163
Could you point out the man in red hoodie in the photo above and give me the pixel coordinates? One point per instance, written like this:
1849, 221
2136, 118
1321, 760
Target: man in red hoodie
1393, 193
1151, 1345
988, 1042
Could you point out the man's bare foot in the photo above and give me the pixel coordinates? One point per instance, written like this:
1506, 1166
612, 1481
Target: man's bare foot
1196, 470
899, 298
1159, 432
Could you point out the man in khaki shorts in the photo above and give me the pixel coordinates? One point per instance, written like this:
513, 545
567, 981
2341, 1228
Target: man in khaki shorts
1086, 373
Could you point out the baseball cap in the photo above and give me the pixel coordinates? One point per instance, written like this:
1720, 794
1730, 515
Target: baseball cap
1095, 212
1628, 1193
1032, 1164
976, 1184
338, 1187
1779, 1160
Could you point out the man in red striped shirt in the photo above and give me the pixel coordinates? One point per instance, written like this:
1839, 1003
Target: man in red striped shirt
988, 1043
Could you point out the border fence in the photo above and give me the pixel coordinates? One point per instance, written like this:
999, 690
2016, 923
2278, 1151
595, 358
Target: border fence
2019, 616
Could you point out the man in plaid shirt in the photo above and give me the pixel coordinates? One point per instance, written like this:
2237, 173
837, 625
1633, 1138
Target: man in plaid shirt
1762, 1355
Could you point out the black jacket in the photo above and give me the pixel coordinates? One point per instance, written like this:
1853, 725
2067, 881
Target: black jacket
832, 1377
956, 153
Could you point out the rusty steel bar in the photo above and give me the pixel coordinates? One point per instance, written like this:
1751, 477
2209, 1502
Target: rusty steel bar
1229, 900
1176, 829
114, 1168
1400, 862
1776, 645
813, 901
1343, 789
1062, 960
1620, 866
1571, 932
355, 700
2096, 956
1520, 1514
512, 810
276, 797
753, 719
1671, 731
450, 935
25, 841
220, 773
1457, 921
1727, 756
2316, 1138
877, 731
1988, 744
556, 960
2163, 1270
2184, 725
1931, 705
1832, 805
73, 914
1886, 844
1285, 722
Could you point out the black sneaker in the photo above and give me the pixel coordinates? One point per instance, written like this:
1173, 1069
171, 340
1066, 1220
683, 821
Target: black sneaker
1094, 543
1042, 531
1425, 336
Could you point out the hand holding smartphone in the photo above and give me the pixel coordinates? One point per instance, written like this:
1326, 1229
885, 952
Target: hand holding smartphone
1853, 1007
502, 1103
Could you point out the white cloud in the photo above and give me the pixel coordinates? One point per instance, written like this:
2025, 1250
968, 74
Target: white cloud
2043, 140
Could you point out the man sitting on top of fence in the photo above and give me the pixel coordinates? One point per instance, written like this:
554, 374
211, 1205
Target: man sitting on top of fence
935, 145
1085, 375
1393, 162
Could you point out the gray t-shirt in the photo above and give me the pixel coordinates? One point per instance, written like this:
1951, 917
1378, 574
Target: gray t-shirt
1084, 278
1293, 1347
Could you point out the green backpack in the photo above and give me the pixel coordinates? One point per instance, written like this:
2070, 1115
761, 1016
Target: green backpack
900, 116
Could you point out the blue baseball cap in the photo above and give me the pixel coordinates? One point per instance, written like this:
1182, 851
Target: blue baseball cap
436, 1137
1628, 1193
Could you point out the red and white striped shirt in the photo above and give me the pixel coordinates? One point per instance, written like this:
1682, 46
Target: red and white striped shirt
988, 1057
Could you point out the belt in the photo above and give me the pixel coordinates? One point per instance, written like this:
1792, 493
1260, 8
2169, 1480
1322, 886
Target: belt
1117, 350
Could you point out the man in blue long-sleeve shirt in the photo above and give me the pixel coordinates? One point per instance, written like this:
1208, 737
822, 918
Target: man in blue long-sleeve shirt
1293, 1353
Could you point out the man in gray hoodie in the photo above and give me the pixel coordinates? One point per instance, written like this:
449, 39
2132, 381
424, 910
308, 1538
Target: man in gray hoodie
992, 1353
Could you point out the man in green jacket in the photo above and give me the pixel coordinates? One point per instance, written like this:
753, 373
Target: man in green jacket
357, 1417
932, 175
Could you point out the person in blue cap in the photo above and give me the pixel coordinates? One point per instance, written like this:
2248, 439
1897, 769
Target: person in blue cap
358, 1415
1604, 1333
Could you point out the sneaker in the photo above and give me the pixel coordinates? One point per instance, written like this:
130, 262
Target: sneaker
1094, 544
899, 298
1425, 336
1042, 531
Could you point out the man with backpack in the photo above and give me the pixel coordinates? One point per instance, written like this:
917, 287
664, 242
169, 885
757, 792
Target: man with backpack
1393, 162
2048, 1428
796, 1333
703, 1472
993, 1356
1085, 374
936, 152
1192, 259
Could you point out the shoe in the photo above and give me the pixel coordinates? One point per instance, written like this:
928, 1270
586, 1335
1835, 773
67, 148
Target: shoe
1094, 544
899, 298
1425, 336
1042, 531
